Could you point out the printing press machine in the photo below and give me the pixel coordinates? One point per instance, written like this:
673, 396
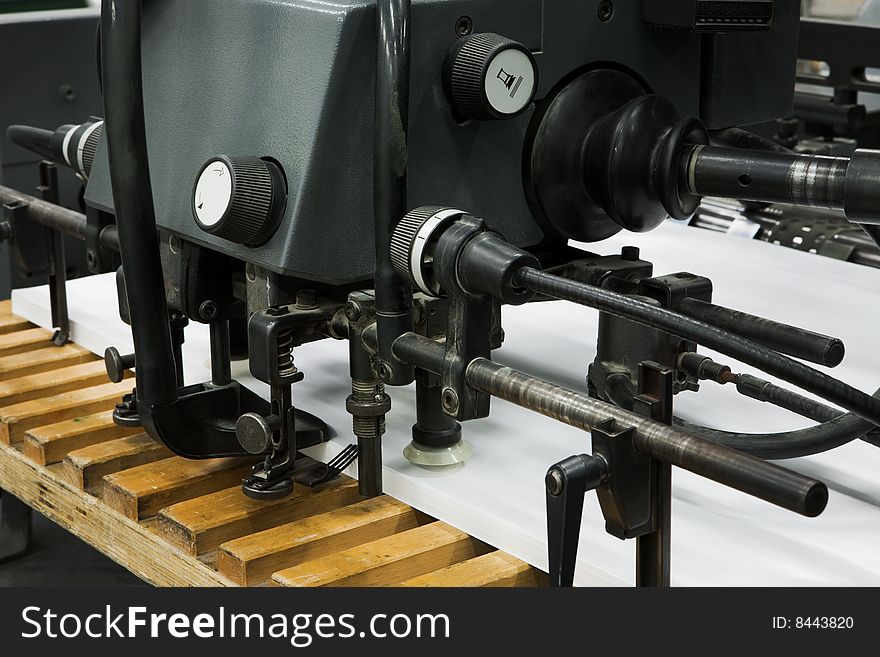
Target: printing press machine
401, 176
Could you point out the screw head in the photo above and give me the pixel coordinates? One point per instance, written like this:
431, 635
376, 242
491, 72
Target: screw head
464, 26
450, 401
352, 311
384, 372
606, 10
208, 310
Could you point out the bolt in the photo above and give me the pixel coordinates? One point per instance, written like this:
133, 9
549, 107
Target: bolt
554, 482
352, 311
606, 11
208, 310
450, 401
464, 26
91, 260
384, 372
306, 300
251, 272
174, 244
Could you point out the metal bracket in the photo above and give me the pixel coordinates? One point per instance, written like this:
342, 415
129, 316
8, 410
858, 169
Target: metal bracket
49, 192
654, 401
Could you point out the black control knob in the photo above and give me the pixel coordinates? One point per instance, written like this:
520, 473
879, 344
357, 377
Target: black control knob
489, 77
239, 198
412, 244
116, 364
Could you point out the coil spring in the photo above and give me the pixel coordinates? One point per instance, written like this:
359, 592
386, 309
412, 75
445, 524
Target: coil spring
285, 354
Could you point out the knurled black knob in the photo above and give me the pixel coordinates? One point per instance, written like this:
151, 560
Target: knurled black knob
411, 245
239, 198
490, 77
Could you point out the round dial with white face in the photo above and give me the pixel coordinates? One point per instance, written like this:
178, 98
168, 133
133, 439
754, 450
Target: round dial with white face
239, 198
213, 193
490, 77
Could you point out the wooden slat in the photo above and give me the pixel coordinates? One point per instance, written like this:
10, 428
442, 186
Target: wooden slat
129, 544
22, 341
6, 307
201, 525
251, 560
143, 491
86, 468
388, 561
496, 569
12, 323
51, 443
15, 420
43, 360
46, 384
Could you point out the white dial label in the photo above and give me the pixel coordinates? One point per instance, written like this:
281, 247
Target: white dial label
510, 81
213, 193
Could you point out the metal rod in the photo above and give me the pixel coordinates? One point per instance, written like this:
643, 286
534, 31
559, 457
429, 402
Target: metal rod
751, 175
125, 132
737, 470
786, 339
221, 368
393, 295
57, 217
712, 337
746, 473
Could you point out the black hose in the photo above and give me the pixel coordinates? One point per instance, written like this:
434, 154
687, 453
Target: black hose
393, 294
837, 429
36, 140
133, 201
746, 351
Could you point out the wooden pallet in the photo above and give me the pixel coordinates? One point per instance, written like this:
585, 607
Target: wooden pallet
176, 522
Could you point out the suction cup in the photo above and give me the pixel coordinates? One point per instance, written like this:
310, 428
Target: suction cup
437, 457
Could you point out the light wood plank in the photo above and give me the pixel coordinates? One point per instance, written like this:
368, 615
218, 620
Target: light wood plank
43, 360
251, 560
16, 420
51, 443
12, 324
201, 525
46, 384
22, 341
129, 544
85, 468
6, 307
495, 569
387, 561
143, 491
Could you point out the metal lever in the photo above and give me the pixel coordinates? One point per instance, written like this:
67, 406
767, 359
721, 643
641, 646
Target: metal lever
567, 483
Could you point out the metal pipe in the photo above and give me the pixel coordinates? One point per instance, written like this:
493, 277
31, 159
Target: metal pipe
393, 295
57, 217
790, 340
735, 469
125, 132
